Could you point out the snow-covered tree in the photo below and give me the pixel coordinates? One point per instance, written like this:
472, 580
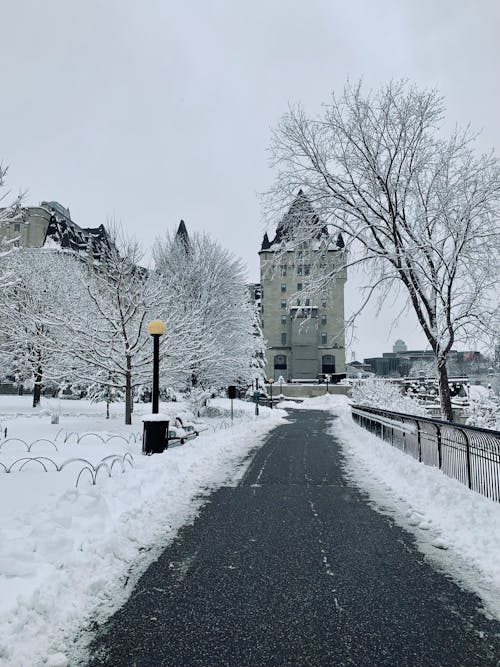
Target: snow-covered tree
379, 393
109, 342
8, 213
33, 312
219, 343
484, 410
420, 212
105, 389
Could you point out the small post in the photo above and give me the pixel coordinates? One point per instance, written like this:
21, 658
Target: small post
440, 456
256, 397
467, 455
231, 394
271, 380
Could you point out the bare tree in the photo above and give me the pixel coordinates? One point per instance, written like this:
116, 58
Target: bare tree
109, 341
420, 211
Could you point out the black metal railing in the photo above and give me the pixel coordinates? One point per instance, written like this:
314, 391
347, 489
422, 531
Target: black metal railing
469, 454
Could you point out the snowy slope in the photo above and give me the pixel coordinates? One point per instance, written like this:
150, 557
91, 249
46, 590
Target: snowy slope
66, 552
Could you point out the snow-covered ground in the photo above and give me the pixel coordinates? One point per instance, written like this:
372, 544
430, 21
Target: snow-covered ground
457, 529
69, 554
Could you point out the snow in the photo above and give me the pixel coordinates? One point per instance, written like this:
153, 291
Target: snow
457, 529
70, 554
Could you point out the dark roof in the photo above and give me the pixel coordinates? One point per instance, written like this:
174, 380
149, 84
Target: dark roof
301, 211
91, 240
182, 236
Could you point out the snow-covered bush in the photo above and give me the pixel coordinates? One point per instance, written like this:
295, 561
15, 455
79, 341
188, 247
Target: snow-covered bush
379, 393
484, 411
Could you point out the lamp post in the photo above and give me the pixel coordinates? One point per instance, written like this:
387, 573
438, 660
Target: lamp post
156, 328
271, 380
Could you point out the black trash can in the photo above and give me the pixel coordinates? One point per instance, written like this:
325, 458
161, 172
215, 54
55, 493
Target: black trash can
155, 435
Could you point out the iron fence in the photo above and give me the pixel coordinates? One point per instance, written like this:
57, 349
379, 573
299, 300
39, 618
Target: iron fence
469, 454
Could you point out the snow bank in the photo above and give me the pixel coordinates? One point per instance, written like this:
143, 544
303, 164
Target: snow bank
456, 528
66, 552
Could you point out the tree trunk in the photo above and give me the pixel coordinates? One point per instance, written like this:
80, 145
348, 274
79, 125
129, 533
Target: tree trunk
128, 392
444, 390
107, 409
37, 389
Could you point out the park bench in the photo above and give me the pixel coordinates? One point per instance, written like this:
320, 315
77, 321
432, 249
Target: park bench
181, 434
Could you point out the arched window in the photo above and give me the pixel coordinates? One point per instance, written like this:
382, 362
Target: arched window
328, 364
280, 362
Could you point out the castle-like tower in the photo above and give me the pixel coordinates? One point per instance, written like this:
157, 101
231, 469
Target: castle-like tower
304, 333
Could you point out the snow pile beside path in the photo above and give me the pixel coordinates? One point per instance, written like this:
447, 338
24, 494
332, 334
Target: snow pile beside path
65, 552
456, 527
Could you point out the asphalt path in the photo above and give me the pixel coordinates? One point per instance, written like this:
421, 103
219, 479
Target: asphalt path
294, 567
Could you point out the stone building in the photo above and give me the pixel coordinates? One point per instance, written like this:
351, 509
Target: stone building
51, 224
304, 332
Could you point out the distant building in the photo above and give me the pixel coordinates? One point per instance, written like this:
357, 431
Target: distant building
51, 224
418, 363
399, 346
304, 334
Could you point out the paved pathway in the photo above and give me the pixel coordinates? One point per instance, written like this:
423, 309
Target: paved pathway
293, 567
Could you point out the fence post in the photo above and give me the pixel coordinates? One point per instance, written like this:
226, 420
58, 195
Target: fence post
419, 442
440, 458
467, 454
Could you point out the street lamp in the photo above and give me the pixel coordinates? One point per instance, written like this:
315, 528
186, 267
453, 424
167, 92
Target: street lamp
156, 328
271, 380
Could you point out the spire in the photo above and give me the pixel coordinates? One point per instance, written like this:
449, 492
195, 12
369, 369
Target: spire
182, 236
265, 242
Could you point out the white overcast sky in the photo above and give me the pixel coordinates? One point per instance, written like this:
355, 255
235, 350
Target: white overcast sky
155, 111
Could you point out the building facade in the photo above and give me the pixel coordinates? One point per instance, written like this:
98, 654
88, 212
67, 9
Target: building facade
304, 331
51, 224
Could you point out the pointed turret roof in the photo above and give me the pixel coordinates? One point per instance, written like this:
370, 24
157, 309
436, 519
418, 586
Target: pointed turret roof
301, 211
182, 236
265, 242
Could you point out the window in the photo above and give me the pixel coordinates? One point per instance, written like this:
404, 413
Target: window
17, 227
283, 287
262, 324
262, 309
323, 319
323, 339
308, 302
306, 269
283, 338
323, 303
328, 364
283, 303
16, 244
299, 270
280, 362
283, 270
283, 320
299, 287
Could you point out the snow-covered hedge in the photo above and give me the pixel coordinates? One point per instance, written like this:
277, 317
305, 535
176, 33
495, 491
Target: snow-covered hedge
379, 393
484, 410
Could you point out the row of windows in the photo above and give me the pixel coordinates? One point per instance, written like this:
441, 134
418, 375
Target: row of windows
327, 363
300, 270
284, 320
324, 337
